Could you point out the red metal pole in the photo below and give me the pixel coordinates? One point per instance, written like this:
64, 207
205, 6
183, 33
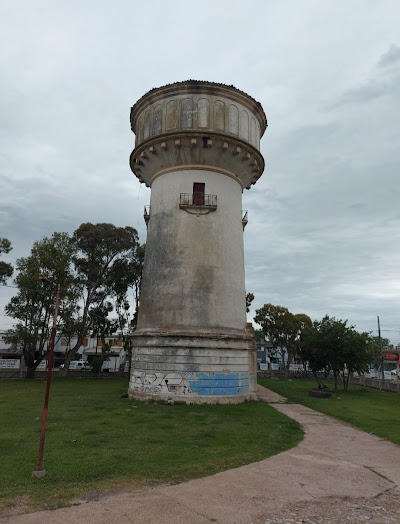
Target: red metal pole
40, 472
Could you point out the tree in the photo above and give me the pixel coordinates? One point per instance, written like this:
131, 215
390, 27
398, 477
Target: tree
130, 277
332, 345
259, 334
103, 252
283, 329
6, 270
93, 267
249, 300
312, 354
304, 325
103, 326
357, 354
33, 305
377, 343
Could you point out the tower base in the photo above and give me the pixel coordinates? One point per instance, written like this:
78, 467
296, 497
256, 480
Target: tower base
195, 368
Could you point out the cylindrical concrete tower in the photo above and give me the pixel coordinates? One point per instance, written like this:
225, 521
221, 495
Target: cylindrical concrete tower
197, 147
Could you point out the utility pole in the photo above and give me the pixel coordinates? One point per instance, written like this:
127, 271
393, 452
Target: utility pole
380, 345
39, 473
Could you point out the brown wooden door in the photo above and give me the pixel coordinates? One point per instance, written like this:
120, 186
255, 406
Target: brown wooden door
198, 193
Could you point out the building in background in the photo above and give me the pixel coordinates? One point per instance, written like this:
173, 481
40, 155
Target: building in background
91, 347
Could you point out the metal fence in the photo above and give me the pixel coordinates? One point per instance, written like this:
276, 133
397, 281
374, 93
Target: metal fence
376, 383
197, 199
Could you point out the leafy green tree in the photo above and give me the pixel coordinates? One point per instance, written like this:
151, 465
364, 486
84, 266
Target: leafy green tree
33, 305
377, 344
249, 300
283, 329
128, 276
357, 355
6, 270
103, 252
130, 279
332, 345
259, 334
93, 267
103, 326
303, 324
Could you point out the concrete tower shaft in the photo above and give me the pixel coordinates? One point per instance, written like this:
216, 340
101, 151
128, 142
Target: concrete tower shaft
197, 147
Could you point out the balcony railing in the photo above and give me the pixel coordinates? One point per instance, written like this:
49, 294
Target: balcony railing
245, 219
146, 214
198, 200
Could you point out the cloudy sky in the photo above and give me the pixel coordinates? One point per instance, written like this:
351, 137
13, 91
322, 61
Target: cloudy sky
323, 233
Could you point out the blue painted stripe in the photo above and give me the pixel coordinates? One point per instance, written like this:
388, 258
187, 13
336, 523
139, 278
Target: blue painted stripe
219, 384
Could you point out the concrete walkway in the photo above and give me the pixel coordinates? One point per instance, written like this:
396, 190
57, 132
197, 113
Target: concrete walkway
333, 475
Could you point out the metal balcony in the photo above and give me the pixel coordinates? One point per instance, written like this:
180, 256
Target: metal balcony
198, 200
146, 214
244, 219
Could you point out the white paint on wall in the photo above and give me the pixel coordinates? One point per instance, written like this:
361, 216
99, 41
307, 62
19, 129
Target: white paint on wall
194, 266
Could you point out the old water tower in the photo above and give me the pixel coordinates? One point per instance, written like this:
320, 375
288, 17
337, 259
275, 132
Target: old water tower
197, 148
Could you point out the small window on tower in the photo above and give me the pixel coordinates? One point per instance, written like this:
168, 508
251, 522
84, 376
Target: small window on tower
198, 193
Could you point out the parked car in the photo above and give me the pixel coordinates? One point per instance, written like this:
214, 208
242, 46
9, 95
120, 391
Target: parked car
387, 374
76, 365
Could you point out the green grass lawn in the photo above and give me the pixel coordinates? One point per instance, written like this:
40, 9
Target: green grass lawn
374, 411
99, 441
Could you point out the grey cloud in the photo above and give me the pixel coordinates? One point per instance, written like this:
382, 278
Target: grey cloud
383, 81
321, 221
323, 230
367, 92
391, 57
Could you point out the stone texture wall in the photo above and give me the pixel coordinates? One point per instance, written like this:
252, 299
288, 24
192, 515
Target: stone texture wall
213, 113
194, 267
194, 369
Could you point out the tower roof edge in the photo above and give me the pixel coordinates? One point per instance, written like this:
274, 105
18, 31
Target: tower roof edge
199, 85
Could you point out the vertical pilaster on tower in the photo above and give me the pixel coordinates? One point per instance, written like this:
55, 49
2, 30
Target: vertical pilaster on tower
197, 147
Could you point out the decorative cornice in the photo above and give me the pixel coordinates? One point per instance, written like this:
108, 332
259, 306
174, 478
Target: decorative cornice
183, 151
